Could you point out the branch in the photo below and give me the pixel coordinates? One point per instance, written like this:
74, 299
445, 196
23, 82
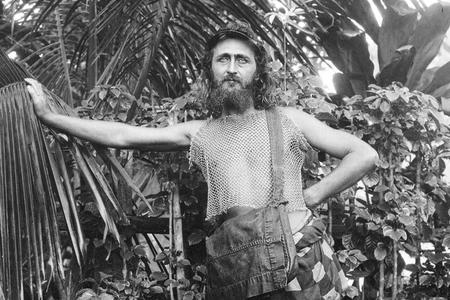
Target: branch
92, 48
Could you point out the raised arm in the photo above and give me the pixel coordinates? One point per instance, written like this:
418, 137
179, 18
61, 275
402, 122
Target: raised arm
358, 157
113, 134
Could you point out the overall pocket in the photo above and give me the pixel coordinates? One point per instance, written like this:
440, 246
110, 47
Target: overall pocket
250, 254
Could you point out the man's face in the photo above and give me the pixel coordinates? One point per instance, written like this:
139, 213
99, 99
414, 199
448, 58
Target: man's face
233, 69
233, 64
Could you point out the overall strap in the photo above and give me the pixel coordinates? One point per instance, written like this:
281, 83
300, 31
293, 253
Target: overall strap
276, 150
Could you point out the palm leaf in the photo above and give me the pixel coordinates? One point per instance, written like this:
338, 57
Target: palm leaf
34, 184
130, 26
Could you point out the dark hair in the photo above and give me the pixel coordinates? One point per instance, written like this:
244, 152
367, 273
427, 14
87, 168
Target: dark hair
262, 83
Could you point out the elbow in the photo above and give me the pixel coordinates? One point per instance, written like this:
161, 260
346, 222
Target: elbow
371, 158
120, 142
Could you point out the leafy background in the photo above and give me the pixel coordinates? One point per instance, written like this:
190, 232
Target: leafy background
138, 62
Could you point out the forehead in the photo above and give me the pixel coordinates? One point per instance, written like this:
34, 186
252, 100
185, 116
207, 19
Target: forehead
234, 47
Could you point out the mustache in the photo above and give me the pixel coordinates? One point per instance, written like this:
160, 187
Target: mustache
231, 78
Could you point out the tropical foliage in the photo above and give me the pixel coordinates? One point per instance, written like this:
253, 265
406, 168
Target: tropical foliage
412, 47
404, 193
117, 41
135, 61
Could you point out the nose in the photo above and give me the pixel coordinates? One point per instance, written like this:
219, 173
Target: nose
232, 67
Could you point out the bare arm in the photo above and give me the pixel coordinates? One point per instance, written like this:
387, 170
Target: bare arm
114, 134
358, 157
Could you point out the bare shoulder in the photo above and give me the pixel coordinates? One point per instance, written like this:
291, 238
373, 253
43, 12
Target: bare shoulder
297, 116
336, 142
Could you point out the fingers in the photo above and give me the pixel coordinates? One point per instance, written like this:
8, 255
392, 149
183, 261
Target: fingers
35, 88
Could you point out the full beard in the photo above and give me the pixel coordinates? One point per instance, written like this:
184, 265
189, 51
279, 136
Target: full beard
225, 97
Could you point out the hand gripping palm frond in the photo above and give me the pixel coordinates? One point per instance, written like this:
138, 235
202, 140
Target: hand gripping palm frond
34, 182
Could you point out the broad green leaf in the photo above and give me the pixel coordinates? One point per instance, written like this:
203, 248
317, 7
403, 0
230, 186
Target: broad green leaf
162, 256
436, 258
395, 234
189, 295
425, 279
372, 226
172, 282
446, 241
398, 24
341, 46
397, 69
119, 285
184, 282
102, 94
158, 276
380, 253
156, 290
410, 249
389, 196
342, 256
352, 292
105, 296
440, 79
381, 188
86, 294
390, 217
139, 250
430, 101
276, 66
196, 237
413, 268
382, 164
392, 96
375, 104
184, 262
363, 213
201, 269
371, 179
406, 220
358, 254
431, 180
427, 39
397, 131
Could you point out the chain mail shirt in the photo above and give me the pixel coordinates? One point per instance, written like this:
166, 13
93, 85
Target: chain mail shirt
233, 153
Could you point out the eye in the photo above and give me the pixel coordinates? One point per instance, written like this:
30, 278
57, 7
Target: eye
242, 60
223, 59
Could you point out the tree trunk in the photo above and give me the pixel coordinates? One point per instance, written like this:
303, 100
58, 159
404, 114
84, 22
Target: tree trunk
394, 280
330, 217
419, 222
381, 288
178, 236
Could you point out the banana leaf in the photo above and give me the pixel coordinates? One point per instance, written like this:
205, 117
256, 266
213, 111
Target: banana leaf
399, 23
427, 39
35, 186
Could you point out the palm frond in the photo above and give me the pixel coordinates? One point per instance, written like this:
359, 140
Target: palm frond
34, 185
129, 27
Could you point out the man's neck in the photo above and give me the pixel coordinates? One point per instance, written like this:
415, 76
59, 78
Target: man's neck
229, 111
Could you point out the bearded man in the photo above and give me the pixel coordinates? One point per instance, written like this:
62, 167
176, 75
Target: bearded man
233, 151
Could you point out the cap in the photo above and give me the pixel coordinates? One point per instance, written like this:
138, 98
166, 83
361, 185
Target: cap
237, 29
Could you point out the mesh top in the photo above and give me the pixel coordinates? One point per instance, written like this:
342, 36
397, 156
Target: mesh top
233, 153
